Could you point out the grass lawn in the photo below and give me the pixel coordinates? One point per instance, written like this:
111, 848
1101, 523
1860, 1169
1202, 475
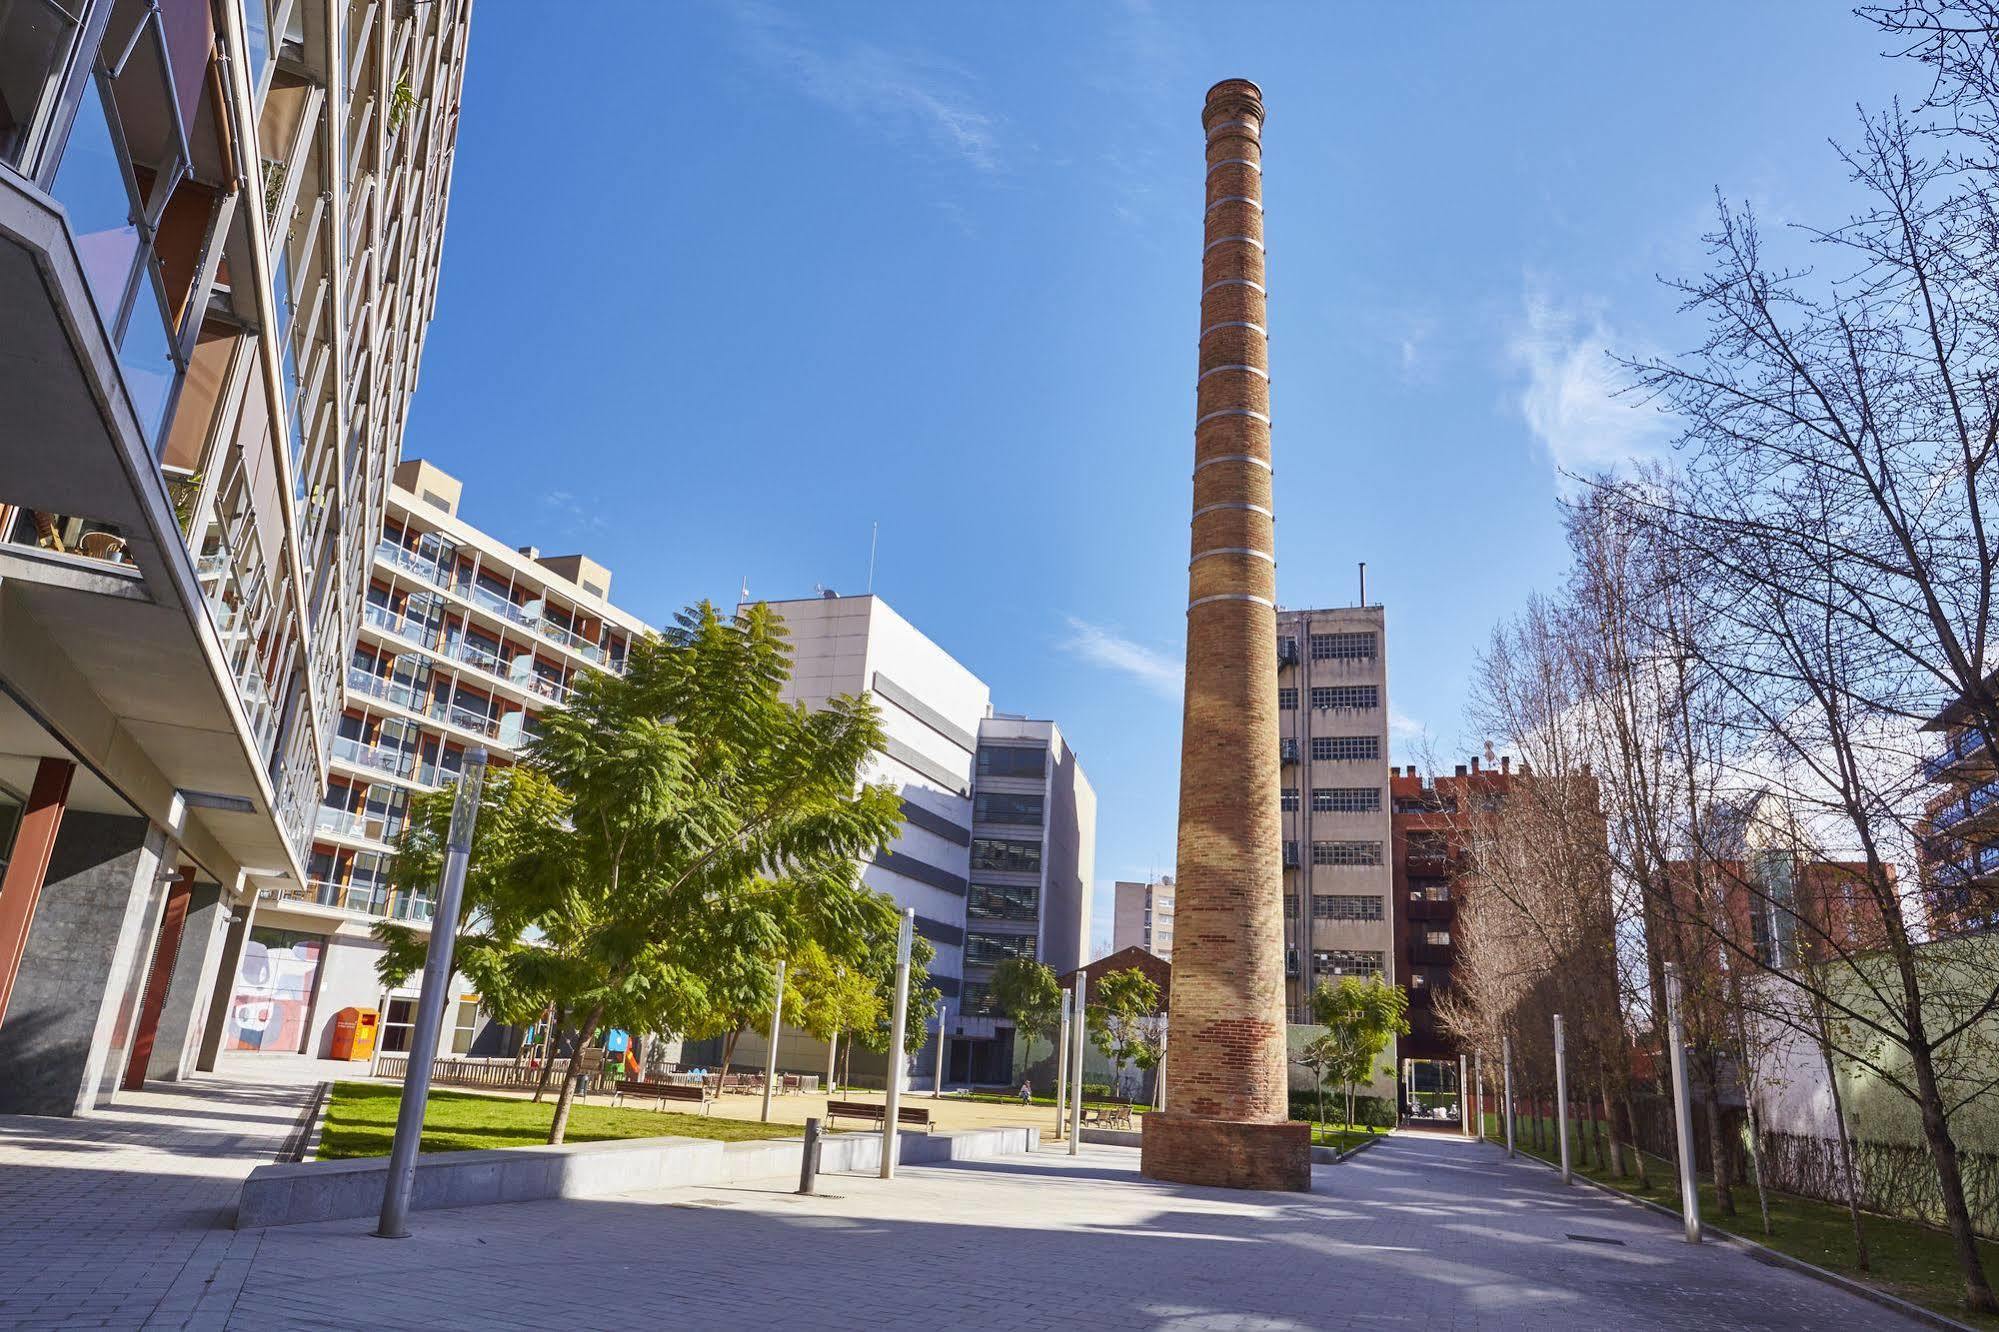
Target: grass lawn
361, 1121
1346, 1137
1909, 1260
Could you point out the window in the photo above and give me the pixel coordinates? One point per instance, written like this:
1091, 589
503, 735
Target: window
1346, 696
1346, 799
436, 501
1287, 698
1428, 846
1007, 807
978, 1000
1290, 907
1436, 891
1345, 748
1346, 906
1011, 761
1287, 650
1346, 962
992, 949
594, 589
1346, 853
1437, 938
994, 901
1343, 647
465, 1022
1288, 798
993, 853
1430, 978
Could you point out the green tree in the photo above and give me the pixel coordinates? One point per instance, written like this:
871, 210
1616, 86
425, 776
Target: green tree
1322, 1057
923, 996
1028, 992
1124, 1019
834, 997
1360, 1018
713, 828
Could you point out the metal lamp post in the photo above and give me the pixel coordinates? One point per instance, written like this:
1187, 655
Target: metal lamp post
1683, 1124
1478, 1094
770, 1054
904, 937
937, 1083
394, 1222
1506, 1072
1076, 1062
1562, 1094
1062, 1069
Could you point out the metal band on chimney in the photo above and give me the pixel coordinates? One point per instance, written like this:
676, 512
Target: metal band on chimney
1224, 240
1257, 204
1232, 596
1244, 505
1232, 411
1223, 369
1235, 282
1234, 457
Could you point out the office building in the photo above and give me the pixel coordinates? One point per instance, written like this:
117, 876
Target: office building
464, 641
998, 843
219, 237
1332, 709
1143, 917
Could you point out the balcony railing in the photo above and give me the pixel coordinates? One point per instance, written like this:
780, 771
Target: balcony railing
384, 688
402, 557
395, 762
1967, 744
457, 714
363, 899
1976, 801
1968, 868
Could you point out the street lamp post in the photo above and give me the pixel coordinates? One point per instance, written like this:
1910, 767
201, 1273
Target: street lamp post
1562, 1094
1683, 1124
904, 938
770, 1054
1478, 1094
394, 1223
1062, 1070
1082, 1026
937, 1084
1506, 1072
1464, 1109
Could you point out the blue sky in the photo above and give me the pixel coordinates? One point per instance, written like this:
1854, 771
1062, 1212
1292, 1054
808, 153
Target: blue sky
725, 284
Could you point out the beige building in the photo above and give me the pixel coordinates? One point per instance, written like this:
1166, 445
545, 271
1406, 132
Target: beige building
1332, 700
219, 238
1142, 917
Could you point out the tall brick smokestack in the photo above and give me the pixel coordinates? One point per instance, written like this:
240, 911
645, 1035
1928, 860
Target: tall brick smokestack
1227, 1076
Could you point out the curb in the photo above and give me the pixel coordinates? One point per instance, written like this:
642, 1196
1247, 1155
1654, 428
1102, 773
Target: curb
1340, 1157
1763, 1253
303, 1140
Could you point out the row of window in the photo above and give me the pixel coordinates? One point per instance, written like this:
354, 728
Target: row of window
1336, 799
996, 901
1338, 906
1006, 856
1331, 696
1008, 807
1012, 761
992, 949
1339, 748
1357, 645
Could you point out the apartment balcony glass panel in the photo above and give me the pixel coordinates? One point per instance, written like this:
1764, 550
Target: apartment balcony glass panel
395, 762
1976, 802
385, 688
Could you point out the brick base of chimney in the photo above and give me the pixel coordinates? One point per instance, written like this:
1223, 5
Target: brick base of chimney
1226, 1154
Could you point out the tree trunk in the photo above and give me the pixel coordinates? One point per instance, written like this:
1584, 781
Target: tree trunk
1950, 1181
1637, 1143
832, 1061
1610, 1124
548, 1049
560, 1125
1845, 1149
1717, 1150
729, 1050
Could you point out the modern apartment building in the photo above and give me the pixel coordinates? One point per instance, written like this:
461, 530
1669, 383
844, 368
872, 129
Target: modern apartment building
1143, 917
1332, 699
1958, 848
465, 641
219, 236
998, 842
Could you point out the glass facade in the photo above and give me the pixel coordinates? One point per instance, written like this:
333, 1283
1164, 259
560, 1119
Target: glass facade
1008, 807
1000, 854
1012, 761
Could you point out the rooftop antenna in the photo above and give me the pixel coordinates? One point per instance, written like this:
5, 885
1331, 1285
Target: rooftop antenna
1363, 584
874, 539
745, 594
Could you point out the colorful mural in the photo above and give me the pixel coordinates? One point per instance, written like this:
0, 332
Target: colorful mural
273, 998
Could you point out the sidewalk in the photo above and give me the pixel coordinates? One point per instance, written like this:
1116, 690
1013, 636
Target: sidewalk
123, 1216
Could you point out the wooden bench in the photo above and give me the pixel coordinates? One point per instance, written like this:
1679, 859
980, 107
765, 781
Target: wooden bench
869, 1112
1115, 1115
662, 1092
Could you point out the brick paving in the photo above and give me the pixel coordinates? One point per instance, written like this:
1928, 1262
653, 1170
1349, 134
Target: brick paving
120, 1221
122, 1217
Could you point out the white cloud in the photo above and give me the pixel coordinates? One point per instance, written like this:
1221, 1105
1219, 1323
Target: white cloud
1404, 727
898, 93
1570, 402
1157, 671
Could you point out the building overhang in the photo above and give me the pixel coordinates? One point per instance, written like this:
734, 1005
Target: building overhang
120, 661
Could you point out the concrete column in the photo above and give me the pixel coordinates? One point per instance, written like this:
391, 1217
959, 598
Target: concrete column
75, 999
241, 911
160, 962
1227, 1062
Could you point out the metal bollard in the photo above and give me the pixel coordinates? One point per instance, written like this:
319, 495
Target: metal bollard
808, 1167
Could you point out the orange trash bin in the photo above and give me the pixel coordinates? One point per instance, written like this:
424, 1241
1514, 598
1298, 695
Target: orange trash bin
354, 1033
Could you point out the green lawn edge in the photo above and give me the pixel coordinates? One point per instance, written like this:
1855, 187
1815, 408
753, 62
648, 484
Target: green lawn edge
361, 1122
1910, 1260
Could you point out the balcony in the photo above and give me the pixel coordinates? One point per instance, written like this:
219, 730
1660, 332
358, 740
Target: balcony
1423, 908
401, 557
387, 690
1966, 750
394, 762
1977, 802
1975, 866
1430, 955
361, 899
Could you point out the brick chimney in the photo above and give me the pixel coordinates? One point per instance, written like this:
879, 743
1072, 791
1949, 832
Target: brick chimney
1227, 1079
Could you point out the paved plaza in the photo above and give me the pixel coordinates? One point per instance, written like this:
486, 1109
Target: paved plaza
121, 1221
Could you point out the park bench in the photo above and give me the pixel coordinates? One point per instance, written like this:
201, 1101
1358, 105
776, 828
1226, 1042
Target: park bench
869, 1112
662, 1092
1116, 1115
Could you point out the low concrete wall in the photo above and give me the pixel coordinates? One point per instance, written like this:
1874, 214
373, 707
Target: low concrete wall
289, 1195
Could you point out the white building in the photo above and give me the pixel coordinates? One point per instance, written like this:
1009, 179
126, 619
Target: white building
998, 842
1143, 917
